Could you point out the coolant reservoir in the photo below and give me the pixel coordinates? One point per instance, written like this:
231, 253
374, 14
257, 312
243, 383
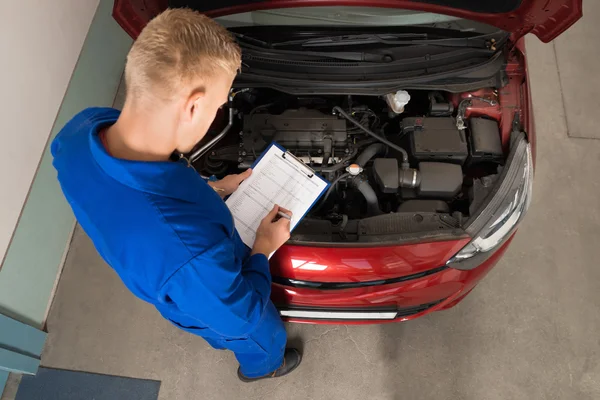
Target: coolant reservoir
397, 100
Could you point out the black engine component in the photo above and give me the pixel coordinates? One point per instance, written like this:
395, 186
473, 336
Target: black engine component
305, 132
436, 139
385, 171
390, 178
434, 206
432, 179
439, 106
485, 141
441, 180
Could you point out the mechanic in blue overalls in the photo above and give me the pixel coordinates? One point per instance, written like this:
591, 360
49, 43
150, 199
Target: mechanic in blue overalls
166, 231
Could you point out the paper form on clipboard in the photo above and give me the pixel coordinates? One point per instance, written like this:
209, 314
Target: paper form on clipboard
277, 178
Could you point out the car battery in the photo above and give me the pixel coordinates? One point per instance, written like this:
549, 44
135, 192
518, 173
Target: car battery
485, 142
436, 139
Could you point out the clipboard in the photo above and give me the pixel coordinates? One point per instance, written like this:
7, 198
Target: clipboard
278, 177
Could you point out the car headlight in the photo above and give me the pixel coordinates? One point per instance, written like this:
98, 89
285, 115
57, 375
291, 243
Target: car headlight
506, 206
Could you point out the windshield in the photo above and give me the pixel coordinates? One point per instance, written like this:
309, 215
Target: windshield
352, 16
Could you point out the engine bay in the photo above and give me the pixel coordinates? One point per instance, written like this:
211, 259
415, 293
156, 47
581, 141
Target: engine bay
409, 163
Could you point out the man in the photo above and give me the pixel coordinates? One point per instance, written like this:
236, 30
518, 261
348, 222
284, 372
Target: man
166, 231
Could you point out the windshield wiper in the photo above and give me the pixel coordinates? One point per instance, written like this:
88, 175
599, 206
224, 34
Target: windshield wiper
256, 47
479, 41
349, 39
250, 39
318, 55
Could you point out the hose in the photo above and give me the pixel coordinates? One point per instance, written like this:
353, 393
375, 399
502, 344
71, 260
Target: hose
370, 152
261, 107
394, 146
362, 185
198, 153
330, 190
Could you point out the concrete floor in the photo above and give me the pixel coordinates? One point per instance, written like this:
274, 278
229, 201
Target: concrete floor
528, 331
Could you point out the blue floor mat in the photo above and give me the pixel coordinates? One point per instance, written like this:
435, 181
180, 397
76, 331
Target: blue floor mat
59, 384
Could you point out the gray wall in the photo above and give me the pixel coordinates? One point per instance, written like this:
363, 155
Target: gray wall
40, 42
30, 268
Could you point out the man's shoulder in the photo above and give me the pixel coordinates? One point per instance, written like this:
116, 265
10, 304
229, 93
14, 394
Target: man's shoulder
76, 132
89, 117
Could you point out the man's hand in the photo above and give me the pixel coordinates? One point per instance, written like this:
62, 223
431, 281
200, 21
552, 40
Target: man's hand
230, 183
272, 232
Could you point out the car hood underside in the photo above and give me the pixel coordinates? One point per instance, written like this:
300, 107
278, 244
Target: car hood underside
545, 18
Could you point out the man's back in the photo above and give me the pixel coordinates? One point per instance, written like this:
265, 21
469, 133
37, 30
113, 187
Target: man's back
164, 230
146, 219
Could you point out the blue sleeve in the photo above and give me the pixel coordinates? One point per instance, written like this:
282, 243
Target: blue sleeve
256, 269
227, 296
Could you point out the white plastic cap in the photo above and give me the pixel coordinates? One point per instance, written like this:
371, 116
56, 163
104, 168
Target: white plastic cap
354, 169
397, 100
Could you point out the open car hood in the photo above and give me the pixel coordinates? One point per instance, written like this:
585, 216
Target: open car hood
545, 18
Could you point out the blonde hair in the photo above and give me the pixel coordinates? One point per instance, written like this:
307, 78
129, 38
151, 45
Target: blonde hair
175, 48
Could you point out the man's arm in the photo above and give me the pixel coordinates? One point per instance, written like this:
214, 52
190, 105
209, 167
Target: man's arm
215, 289
256, 270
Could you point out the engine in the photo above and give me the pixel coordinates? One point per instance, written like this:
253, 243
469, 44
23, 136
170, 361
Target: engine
312, 136
385, 161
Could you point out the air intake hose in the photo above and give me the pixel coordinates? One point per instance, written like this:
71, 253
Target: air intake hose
362, 185
376, 149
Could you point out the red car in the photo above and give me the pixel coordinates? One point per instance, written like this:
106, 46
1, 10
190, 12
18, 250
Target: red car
418, 112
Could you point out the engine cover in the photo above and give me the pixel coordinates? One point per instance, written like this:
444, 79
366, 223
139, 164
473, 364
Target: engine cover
302, 131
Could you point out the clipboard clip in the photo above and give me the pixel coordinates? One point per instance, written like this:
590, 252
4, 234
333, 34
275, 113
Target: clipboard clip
311, 172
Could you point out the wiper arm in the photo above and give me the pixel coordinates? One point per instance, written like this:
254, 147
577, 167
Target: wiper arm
336, 55
250, 39
479, 41
348, 39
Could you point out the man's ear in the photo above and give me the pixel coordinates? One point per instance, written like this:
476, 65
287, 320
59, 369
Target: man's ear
194, 103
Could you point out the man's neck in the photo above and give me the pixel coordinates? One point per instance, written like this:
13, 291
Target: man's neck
140, 137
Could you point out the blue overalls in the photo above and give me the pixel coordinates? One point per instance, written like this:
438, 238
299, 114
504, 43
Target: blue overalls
172, 241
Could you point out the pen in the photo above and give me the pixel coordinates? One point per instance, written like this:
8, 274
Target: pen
284, 215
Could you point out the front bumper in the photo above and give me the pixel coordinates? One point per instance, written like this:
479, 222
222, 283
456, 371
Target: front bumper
374, 314
379, 303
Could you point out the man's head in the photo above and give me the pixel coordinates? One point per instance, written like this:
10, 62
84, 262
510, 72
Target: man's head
182, 65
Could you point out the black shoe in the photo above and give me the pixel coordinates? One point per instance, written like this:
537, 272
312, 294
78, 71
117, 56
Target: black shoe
291, 360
